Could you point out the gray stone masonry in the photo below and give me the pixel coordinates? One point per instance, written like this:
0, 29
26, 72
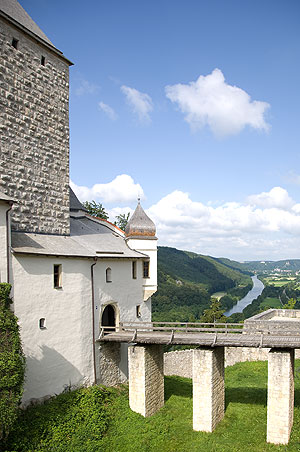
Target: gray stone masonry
34, 129
280, 395
146, 379
110, 357
208, 388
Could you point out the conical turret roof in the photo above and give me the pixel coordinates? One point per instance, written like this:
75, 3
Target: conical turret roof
140, 224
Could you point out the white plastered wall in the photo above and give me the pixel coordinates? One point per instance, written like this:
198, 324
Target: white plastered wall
149, 247
61, 355
3, 241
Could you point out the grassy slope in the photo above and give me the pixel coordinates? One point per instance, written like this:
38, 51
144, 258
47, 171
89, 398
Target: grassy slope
118, 429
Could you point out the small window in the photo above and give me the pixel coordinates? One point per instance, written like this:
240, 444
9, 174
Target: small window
43, 60
146, 269
138, 311
108, 275
57, 276
42, 323
134, 270
15, 43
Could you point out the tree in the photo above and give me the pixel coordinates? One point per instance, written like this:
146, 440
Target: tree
214, 313
122, 220
290, 304
96, 209
12, 364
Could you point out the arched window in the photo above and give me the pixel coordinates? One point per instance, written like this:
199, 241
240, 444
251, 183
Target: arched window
108, 275
42, 323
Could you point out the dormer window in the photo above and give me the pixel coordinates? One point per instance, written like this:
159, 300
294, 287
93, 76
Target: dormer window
15, 43
146, 266
43, 60
108, 275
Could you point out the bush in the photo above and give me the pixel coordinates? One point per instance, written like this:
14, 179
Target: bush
12, 364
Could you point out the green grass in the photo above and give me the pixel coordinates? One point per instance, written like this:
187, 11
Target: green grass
170, 430
271, 303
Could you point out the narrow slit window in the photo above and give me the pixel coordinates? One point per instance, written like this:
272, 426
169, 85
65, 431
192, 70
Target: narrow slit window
43, 60
146, 265
134, 270
108, 275
57, 276
15, 43
42, 323
138, 311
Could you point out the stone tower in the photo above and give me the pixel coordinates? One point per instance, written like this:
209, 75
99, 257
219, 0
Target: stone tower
140, 236
34, 124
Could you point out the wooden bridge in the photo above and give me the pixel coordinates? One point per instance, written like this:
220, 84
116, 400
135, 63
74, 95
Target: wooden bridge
202, 334
146, 374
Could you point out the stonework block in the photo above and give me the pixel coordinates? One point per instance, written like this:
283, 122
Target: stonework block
146, 379
280, 395
34, 117
110, 357
208, 388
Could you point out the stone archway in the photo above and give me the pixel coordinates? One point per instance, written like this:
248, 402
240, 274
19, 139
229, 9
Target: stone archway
108, 317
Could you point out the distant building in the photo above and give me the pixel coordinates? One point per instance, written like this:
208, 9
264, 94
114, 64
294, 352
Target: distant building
70, 272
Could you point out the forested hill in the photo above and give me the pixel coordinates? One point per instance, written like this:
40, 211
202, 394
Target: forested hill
287, 264
187, 280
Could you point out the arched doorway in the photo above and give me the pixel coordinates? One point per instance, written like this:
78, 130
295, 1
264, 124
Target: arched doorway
108, 318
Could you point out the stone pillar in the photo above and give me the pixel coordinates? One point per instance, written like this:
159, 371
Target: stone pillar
208, 388
109, 364
146, 378
280, 395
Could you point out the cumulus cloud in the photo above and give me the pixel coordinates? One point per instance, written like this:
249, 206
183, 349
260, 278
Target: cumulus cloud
224, 108
269, 229
121, 190
277, 197
86, 87
141, 103
109, 111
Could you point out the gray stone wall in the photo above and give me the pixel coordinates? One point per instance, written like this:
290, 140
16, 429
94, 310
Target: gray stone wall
180, 363
109, 364
34, 128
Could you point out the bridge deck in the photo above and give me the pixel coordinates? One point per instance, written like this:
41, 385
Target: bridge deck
204, 339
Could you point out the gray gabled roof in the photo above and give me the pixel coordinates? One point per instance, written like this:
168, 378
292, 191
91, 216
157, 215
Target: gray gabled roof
89, 238
75, 204
14, 10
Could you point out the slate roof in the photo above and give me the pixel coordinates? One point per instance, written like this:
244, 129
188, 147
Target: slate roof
14, 10
140, 225
89, 238
75, 204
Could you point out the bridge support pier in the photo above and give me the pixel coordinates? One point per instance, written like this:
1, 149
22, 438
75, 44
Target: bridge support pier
208, 388
280, 395
146, 378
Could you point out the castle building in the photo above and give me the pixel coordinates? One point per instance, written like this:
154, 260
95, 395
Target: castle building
70, 273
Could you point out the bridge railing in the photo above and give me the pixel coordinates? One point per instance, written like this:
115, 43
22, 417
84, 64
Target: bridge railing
182, 327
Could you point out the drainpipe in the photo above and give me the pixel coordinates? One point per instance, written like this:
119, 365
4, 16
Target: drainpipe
7, 242
93, 317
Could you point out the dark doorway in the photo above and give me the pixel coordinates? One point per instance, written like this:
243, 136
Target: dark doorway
108, 318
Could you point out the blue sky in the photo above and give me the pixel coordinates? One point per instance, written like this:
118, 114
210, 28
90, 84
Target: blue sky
195, 106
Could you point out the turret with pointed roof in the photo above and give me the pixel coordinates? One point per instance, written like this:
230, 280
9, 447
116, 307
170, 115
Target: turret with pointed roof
140, 225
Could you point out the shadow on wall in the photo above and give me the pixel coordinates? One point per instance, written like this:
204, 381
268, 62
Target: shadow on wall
49, 375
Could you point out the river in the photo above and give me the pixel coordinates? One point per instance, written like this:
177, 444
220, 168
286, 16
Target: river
256, 290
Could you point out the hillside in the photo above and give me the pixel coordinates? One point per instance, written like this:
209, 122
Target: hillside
260, 266
187, 280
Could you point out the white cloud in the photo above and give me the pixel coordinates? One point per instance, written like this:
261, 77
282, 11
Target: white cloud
109, 111
242, 231
86, 87
121, 190
141, 103
224, 108
277, 197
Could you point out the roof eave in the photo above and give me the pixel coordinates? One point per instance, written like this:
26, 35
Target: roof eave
36, 37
